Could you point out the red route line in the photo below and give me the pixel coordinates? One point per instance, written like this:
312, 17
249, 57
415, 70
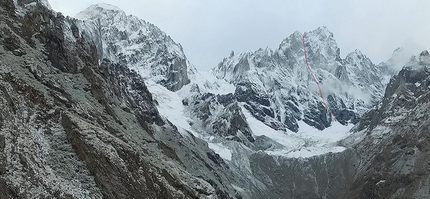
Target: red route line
315, 79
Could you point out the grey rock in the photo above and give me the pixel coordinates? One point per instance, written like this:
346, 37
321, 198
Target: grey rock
394, 155
220, 115
76, 126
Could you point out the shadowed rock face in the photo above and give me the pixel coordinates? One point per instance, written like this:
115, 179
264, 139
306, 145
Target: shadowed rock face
326, 176
73, 126
394, 154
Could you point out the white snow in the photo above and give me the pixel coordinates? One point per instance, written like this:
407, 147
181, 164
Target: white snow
209, 83
170, 106
221, 150
308, 142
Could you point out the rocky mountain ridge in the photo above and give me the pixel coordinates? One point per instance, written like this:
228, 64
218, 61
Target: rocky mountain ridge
75, 126
140, 45
92, 108
277, 88
394, 151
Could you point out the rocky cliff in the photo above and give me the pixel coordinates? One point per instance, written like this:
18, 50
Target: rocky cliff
394, 153
75, 126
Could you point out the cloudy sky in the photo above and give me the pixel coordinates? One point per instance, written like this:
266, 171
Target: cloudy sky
210, 30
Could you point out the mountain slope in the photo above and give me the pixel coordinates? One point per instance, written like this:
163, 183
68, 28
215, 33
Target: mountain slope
75, 126
394, 153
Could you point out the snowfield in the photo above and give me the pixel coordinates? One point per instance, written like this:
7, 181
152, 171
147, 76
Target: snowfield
308, 142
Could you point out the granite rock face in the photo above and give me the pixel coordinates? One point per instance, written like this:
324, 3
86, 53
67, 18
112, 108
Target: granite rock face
75, 126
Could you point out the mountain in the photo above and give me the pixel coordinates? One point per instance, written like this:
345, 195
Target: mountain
73, 125
277, 88
107, 106
395, 155
141, 45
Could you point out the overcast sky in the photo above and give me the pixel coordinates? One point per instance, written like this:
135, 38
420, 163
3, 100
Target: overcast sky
210, 30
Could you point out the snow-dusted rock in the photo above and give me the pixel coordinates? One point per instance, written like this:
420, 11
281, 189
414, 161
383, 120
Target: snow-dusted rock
277, 88
394, 152
75, 126
141, 45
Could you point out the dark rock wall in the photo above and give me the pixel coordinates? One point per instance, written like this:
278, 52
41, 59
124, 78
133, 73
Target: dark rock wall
395, 156
325, 176
72, 127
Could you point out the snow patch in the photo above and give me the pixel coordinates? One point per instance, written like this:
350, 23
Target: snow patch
308, 142
221, 150
170, 106
209, 83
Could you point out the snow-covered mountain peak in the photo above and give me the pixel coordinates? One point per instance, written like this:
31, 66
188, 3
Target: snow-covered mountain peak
141, 45
425, 56
108, 14
357, 56
106, 6
321, 47
321, 42
292, 41
322, 32
420, 63
321, 35
399, 58
279, 81
356, 52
